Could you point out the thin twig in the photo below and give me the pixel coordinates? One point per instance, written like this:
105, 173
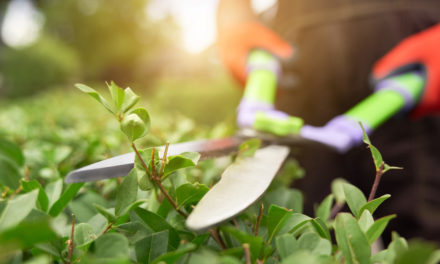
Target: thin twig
379, 174
234, 221
157, 179
18, 190
247, 253
27, 173
260, 215
144, 165
70, 242
335, 209
107, 228
216, 236
5, 192
164, 159
119, 179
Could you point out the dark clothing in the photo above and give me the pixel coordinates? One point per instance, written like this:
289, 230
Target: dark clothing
336, 43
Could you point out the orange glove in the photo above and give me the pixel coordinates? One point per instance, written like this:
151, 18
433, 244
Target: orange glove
236, 41
418, 52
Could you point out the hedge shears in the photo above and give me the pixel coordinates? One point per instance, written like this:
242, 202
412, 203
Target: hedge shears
245, 181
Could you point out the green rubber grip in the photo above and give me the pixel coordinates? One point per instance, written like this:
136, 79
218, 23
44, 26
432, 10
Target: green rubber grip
386, 102
279, 127
261, 87
261, 82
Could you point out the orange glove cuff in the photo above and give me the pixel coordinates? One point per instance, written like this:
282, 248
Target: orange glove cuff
236, 42
421, 50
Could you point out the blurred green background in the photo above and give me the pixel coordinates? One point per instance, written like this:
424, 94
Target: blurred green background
48, 45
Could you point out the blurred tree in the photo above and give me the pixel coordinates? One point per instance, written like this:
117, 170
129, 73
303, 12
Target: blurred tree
33, 68
111, 36
94, 40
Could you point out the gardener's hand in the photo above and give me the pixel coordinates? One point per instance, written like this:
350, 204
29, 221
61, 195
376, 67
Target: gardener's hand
256, 109
421, 50
238, 39
264, 117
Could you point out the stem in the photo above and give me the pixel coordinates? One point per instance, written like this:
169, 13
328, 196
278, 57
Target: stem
247, 253
5, 192
70, 242
260, 215
216, 236
379, 174
164, 159
16, 192
144, 165
107, 228
157, 180
119, 179
335, 209
234, 221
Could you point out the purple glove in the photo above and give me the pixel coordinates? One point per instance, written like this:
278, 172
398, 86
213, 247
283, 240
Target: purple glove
248, 109
341, 133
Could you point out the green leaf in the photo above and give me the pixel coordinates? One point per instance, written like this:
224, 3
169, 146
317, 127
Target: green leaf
151, 247
286, 245
43, 200
285, 197
173, 256
144, 182
107, 213
117, 94
315, 244
11, 151
183, 160
398, 244
16, 209
83, 236
321, 228
374, 204
434, 258
296, 222
355, 198
377, 228
53, 191
26, 234
337, 187
130, 99
200, 240
9, 173
211, 257
112, 245
323, 210
126, 194
418, 252
255, 242
303, 256
133, 127
249, 147
146, 155
396, 248
190, 193
97, 96
157, 224
388, 167
365, 137
351, 240
377, 157
366, 220
65, 198
277, 217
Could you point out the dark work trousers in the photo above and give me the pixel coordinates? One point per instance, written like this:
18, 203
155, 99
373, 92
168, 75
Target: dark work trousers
336, 43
